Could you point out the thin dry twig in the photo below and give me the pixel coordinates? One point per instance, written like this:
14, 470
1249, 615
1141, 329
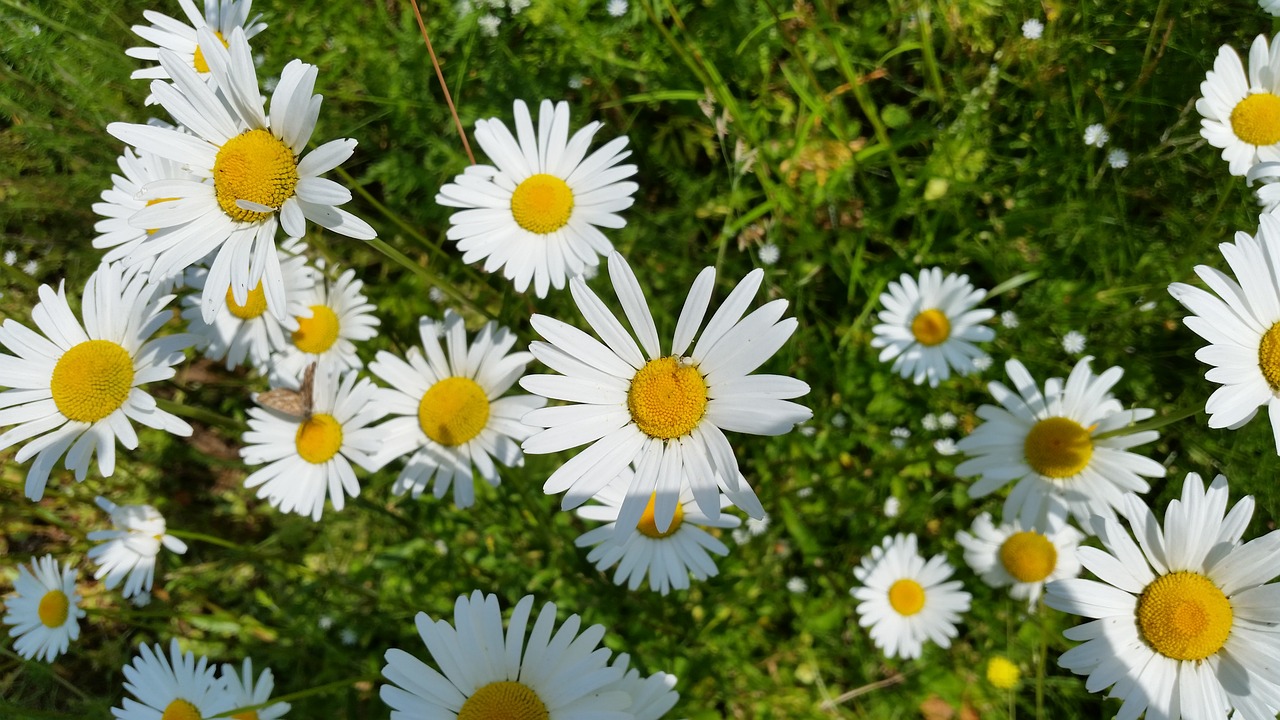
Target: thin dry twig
435, 63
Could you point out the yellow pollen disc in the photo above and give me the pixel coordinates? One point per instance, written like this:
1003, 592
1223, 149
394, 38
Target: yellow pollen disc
649, 527
542, 204
1002, 673
1269, 357
504, 700
255, 166
667, 400
931, 327
319, 438
180, 709
1028, 556
253, 306
53, 609
199, 62
1184, 616
318, 332
1058, 447
453, 411
91, 380
153, 201
1256, 119
906, 597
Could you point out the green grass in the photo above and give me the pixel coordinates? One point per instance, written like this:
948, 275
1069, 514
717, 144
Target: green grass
887, 137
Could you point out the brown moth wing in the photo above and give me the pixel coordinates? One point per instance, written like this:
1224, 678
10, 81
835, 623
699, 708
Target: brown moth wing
296, 403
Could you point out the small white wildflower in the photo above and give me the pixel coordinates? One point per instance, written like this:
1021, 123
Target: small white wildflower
757, 527
442, 547
804, 492
325, 622
769, 254
797, 585
10, 257
30, 267
982, 362
1032, 29
946, 421
489, 25
142, 599
269, 85
1009, 319
1118, 158
516, 6
808, 430
347, 636
618, 8
1096, 136
590, 272
899, 435
930, 422
839, 420
36, 30
436, 295
575, 82
945, 446
1073, 342
1147, 306
740, 535
892, 507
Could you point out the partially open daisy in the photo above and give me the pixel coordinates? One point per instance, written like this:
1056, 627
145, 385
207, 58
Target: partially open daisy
245, 692
1183, 620
173, 687
77, 386
260, 180
164, 32
536, 214
666, 557
486, 673
905, 600
309, 456
128, 550
44, 615
1241, 321
335, 316
1052, 444
929, 326
447, 409
664, 413
1242, 113
651, 697
1021, 558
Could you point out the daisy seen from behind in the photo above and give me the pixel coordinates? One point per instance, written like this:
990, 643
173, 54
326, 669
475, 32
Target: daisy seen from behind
906, 600
75, 387
1241, 113
245, 692
128, 550
1051, 443
260, 179
535, 213
177, 686
522, 672
1023, 559
663, 413
448, 411
1182, 620
336, 315
929, 325
44, 614
167, 33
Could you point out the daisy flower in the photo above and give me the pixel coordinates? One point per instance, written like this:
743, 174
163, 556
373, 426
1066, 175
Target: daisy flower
335, 316
536, 214
651, 697
1024, 559
128, 551
1096, 135
667, 557
929, 326
78, 386
663, 413
1051, 443
164, 32
486, 673
309, 457
1118, 159
176, 686
448, 411
1032, 29
769, 254
906, 600
1241, 322
1242, 113
259, 180
44, 615
1073, 342
247, 693
1183, 620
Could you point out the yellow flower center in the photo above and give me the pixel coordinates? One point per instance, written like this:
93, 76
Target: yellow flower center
1256, 119
253, 306
318, 332
453, 411
91, 380
1058, 447
1184, 616
319, 438
255, 166
906, 597
503, 700
931, 327
1028, 556
542, 204
667, 400
1269, 357
199, 62
180, 709
153, 201
53, 609
649, 528
1002, 673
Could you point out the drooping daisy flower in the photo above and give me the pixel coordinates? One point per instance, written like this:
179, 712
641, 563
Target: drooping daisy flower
1241, 322
78, 386
667, 558
929, 326
221, 16
340, 316
309, 457
651, 697
906, 600
486, 673
172, 687
1022, 558
664, 413
1242, 114
448, 411
536, 214
1183, 619
130, 548
259, 180
1052, 445
247, 693
44, 615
